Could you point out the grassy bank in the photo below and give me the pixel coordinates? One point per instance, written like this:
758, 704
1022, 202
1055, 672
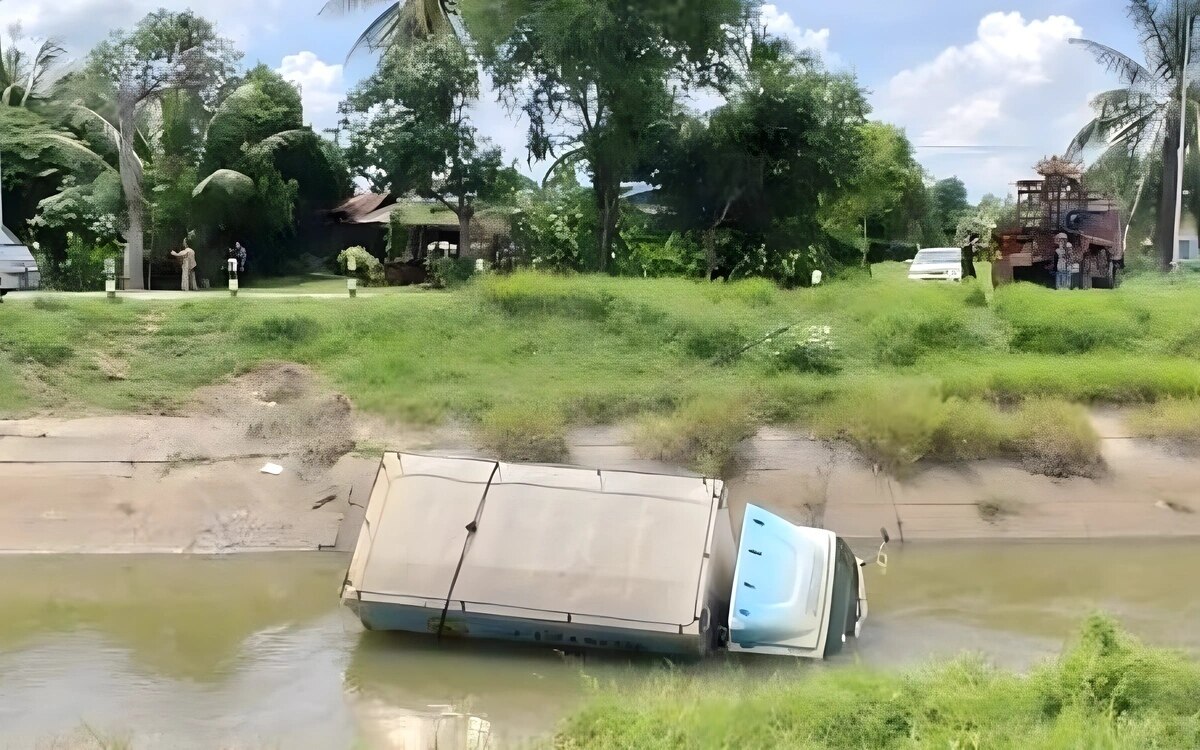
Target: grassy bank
1107, 691
528, 355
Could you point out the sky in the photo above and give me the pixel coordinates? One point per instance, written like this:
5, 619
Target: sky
984, 88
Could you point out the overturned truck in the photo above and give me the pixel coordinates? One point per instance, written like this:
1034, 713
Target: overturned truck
1060, 203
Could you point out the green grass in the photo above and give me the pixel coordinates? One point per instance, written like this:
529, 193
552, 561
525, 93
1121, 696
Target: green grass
598, 350
1107, 692
1174, 420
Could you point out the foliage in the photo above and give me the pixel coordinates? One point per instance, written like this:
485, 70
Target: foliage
651, 255
410, 128
367, 269
81, 269
89, 210
398, 236
950, 205
401, 22
811, 350
524, 433
166, 52
552, 228
886, 190
1142, 117
1174, 419
592, 76
263, 105
1105, 691
450, 273
702, 435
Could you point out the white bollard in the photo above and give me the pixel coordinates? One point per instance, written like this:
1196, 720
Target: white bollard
816, 278
233, 277
351, 282
110, 278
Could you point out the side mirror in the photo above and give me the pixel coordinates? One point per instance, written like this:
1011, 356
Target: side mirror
881, 558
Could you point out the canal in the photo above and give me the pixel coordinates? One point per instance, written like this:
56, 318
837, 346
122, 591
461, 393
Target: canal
254, 651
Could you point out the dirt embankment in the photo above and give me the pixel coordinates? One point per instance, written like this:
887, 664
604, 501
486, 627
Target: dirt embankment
193, 482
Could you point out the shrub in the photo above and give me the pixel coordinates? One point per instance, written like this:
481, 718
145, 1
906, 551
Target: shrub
524, 432
715, 341
1174, 419
287, 329
450, 273
368, 269
82, 269
1049, 322
1057, 439
902, 339
811, 351
702, 435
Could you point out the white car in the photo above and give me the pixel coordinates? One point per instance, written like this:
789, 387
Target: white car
18, 269
937, 264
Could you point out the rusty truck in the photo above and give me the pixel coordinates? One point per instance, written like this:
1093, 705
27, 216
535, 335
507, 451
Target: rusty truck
1060, 203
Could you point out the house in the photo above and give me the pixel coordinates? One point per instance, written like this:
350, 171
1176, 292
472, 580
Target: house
368, 220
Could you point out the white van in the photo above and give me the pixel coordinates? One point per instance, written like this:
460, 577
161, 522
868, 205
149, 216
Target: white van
18, 269
937, 264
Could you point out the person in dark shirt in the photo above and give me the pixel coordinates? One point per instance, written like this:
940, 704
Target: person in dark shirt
968, 257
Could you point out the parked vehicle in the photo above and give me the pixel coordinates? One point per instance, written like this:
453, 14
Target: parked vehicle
1061, 203
937, 264
18, 269
580, 558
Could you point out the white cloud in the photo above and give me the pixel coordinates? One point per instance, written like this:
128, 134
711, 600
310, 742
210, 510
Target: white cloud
781, 24
322, 86
1017, 92
82, 23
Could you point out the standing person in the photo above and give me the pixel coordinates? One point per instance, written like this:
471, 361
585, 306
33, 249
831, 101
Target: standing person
1062, 268
239, 251
968, 256
187, 267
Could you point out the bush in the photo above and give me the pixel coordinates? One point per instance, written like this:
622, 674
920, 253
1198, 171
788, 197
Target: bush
1174, 419
812, 351
901, 339
82, 269
531, 433
1044, 321
450, 273
899, 424
712, 341
702, 435
368, 269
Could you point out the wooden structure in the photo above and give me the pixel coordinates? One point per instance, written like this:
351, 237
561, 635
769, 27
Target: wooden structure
1060, 203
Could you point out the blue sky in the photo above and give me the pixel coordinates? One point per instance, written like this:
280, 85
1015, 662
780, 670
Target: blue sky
996, 79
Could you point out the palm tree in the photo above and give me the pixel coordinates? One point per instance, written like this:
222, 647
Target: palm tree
1143, 115
406, 19
23, 76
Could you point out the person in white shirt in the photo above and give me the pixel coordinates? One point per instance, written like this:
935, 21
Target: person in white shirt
187, 266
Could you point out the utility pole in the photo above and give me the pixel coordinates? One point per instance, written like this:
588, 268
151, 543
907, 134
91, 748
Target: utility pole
1187, 60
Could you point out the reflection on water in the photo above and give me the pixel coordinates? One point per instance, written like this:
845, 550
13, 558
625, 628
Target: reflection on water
253, 652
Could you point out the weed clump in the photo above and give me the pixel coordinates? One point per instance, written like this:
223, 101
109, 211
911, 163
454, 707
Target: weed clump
901, 339
43, 352
525, 433
1176, 420
702, 435
530, 293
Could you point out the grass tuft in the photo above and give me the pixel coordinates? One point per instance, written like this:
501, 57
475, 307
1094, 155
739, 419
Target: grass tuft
701, 435
1174, 419
524, 433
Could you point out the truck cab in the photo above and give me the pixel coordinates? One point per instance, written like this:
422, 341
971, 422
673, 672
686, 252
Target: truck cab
797, 591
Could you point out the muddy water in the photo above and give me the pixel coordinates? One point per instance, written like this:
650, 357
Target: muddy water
253, 652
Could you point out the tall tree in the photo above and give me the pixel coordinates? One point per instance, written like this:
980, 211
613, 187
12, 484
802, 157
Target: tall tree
405, 20
1143, 115
950, 204
593, 77
411, 129
165, 52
